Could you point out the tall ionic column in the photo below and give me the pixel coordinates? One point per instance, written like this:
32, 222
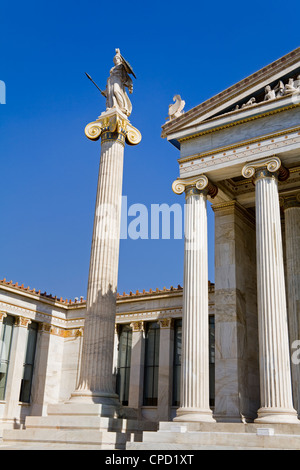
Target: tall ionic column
96, 382
274, 356
194, 397
291, 206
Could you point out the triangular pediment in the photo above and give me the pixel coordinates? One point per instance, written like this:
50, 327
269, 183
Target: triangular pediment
282, 78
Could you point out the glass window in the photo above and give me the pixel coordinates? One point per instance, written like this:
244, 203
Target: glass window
177, 362
151, 364
29, 363
5, 346
124, 360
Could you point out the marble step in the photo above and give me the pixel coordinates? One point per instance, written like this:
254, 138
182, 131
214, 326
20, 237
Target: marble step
88, 422
277, 428
196, 440
85, 437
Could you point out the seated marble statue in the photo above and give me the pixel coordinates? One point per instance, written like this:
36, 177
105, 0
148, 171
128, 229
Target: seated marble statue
251, 102
279, 89
297, 83
290, 88
269, 93
118, 80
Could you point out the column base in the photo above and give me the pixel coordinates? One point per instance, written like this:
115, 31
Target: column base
276, 415
96, 397
194, 414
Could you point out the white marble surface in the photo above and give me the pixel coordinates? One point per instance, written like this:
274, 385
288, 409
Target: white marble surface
194, 401
275, 372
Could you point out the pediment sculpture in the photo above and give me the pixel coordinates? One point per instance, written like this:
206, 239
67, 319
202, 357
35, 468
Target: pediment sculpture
176, 109
292, 87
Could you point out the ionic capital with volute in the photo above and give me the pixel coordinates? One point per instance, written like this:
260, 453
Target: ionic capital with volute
270, 167
195, 185
113, 126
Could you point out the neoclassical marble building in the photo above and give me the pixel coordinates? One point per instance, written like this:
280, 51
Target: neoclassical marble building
51, 329
194, 359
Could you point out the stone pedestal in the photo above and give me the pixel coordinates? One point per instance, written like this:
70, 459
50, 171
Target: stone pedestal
275, 375
96, 382
194, 400
291, 206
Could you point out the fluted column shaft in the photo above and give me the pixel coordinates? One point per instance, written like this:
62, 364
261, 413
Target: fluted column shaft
275, 375
291, 207
96, 377
194, 402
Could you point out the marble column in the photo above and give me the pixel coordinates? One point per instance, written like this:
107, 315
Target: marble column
291, 207
194, 400
275, 374
96, 383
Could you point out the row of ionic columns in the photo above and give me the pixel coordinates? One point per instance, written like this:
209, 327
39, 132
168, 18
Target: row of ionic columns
274, 352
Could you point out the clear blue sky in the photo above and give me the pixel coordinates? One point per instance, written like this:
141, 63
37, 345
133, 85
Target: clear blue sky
49, 168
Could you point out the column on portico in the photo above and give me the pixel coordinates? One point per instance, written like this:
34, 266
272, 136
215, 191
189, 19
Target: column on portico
275, 375
291, 207
194, 400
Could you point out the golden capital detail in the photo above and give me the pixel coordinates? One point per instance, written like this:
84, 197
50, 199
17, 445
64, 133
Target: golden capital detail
22, 322
2, 316
110, 125
290, 201
138, 326
166, 323
271, 165
200, 183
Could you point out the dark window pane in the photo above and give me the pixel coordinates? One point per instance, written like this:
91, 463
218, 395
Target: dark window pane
124, 360
151, 364
177, 362
29, 363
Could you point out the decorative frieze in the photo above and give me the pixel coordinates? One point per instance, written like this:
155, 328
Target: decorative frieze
62, 332
240, 152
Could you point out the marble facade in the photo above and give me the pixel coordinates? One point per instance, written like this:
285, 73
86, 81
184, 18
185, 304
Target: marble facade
240, 152
246, 142
59, 348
